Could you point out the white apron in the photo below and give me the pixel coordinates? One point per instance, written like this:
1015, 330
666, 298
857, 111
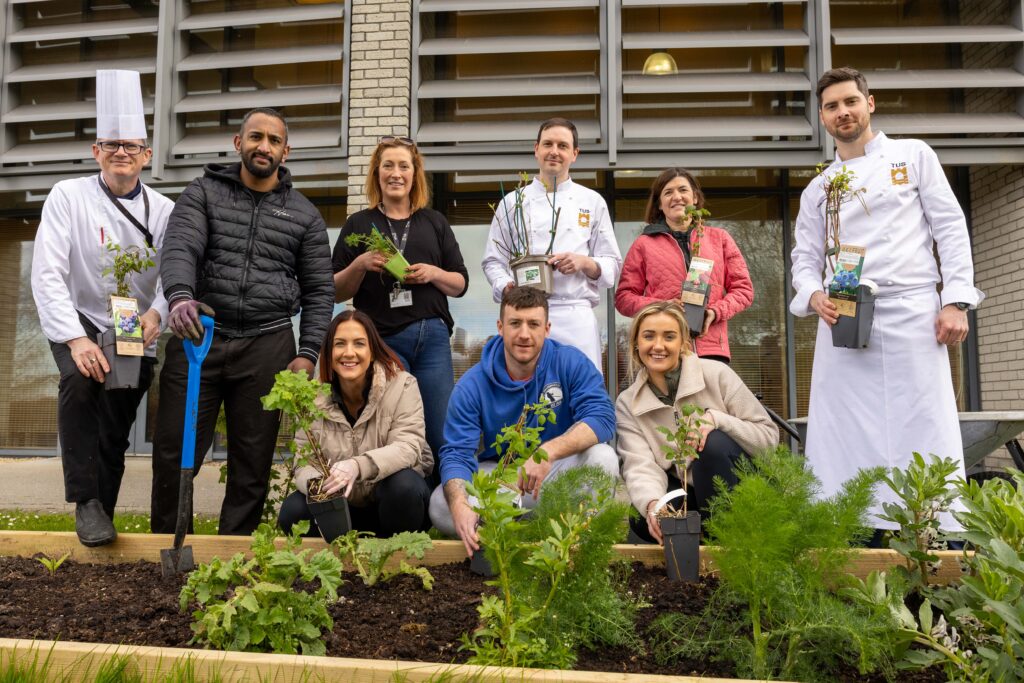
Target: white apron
573, 323
889, 400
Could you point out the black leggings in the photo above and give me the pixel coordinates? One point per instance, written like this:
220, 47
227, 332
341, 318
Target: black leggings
400, 504
719, 457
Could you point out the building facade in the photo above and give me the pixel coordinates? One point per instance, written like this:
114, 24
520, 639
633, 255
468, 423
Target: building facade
471, 79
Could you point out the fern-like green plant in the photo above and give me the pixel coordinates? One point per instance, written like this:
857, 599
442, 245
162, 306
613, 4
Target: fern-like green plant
555, 590
781, 549
369, 555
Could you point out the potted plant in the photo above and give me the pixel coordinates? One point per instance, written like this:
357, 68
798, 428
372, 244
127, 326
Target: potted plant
375, 241
122, 344
853, 296
680, 528
498, 501
697, 285
295, 395
514, 230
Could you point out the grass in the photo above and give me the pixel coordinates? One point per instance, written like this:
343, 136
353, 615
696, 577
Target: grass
22, 520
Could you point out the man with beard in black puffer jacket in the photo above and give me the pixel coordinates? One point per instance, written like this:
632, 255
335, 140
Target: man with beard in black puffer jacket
244, 246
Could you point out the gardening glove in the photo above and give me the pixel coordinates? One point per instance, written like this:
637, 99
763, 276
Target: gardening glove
184, 319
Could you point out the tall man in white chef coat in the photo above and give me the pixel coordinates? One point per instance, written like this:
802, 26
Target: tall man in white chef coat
877, 405
585, 256
71, 292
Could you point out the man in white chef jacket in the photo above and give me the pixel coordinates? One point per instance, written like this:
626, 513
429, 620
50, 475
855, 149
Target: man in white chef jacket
877, 405
71, 292
585, 256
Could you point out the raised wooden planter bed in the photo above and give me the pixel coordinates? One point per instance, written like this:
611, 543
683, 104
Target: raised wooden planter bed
77, 658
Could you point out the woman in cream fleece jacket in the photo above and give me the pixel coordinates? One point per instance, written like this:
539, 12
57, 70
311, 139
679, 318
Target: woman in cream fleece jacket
373, 433
667, 376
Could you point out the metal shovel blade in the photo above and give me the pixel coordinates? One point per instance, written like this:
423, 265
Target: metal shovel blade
176, 561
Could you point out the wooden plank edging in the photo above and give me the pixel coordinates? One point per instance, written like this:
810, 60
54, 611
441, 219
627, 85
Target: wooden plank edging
74, 661
134, 547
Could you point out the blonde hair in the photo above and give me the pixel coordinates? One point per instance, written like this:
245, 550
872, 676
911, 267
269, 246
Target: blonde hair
419, 196
669, 308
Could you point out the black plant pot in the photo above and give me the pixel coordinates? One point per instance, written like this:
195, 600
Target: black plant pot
853, 332
124, 370
332, 516
681, 536
695, 317
479, 565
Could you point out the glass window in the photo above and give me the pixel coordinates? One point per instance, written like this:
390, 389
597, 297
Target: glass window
28, 406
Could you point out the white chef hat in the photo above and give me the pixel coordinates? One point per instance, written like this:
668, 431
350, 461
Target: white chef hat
119, 114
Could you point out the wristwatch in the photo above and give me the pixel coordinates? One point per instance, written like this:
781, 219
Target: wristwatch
962, 306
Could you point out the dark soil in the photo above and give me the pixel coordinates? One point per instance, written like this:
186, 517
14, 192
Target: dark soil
133, 604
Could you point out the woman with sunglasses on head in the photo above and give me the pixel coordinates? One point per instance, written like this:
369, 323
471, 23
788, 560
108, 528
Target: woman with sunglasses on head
372, 433
659, 259
667, 376
412, 315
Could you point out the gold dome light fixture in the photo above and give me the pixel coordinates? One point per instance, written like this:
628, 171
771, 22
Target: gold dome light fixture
660, 64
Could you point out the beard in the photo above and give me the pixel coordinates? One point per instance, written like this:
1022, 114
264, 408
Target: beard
249, 160
852, 136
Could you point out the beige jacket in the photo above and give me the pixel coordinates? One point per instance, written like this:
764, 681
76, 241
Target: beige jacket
708, 384
388, 436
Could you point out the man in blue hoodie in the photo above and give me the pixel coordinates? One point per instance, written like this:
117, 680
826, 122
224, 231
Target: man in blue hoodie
520, 366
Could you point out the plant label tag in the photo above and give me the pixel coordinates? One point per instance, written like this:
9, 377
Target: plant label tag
399, 298
530, 275
842, 291
127, 326
698, 281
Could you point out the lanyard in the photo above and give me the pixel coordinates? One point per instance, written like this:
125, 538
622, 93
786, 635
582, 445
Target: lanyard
394, 235
128, 214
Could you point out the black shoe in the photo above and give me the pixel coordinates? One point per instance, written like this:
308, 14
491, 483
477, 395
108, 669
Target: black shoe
92, 525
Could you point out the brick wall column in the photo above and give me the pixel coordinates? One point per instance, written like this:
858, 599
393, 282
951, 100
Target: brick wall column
380, 82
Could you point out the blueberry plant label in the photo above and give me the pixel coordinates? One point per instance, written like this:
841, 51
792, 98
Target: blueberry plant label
127, 326
842, 291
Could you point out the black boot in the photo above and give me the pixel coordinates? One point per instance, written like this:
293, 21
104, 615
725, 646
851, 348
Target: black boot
92, 524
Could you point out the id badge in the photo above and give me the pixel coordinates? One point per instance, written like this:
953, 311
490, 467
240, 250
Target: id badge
399, 297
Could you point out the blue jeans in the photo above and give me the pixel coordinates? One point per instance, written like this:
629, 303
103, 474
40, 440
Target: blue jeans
425, 349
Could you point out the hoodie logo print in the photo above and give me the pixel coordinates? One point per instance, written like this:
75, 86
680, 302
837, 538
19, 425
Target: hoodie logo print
552, 393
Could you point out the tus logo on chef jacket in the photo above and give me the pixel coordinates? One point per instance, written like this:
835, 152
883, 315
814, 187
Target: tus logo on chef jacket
584, 218
899, 173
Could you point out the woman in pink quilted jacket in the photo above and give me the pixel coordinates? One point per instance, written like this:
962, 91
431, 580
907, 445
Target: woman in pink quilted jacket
656, 264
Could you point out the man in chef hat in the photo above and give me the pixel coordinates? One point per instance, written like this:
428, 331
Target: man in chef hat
72, 294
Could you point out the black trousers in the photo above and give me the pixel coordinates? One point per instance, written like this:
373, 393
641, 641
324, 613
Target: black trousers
93, 425
719, 457
400, 504
237, 372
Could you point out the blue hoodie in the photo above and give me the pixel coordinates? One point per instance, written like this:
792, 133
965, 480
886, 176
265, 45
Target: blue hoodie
487, 399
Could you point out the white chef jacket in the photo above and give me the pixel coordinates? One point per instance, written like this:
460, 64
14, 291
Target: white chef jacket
911, 206
583, 228
876, 406
69, 256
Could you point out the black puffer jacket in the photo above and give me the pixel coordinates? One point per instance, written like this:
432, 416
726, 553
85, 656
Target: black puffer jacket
255, 263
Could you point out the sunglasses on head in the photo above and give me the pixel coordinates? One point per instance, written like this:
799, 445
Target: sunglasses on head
408, 142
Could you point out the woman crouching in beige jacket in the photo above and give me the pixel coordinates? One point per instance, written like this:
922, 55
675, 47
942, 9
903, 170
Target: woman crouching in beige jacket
668, 375
373, 434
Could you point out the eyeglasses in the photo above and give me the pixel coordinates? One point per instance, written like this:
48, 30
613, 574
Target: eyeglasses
130, 148
408, 142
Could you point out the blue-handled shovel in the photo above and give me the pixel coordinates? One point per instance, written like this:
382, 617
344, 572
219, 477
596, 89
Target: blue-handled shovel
179, 559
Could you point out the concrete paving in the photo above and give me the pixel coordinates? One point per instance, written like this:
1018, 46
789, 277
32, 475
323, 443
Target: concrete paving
37, 484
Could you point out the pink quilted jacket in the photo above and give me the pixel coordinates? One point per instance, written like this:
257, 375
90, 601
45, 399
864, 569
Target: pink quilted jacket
654, 270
